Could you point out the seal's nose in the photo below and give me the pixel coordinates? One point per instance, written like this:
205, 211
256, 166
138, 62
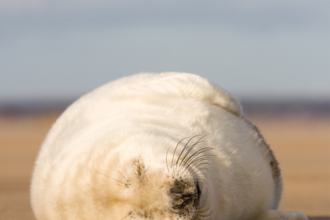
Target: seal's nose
184, 196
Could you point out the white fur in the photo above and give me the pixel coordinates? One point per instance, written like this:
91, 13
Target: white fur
139, 118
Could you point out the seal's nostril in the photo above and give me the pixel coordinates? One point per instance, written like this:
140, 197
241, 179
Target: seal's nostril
178, 201
198, 191
179, 186
176, 195
176, 190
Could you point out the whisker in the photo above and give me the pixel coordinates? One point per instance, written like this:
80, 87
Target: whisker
196, 161
127, 215
200, 163
119, 183
197, 153
206, 215
183, 149
125, 177
188, 151
168, 170
203, 168
190, 148
202, 211
166, 173
175, 150
198, 156
202, 215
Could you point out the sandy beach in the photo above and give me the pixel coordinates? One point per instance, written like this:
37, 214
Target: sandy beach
300, 143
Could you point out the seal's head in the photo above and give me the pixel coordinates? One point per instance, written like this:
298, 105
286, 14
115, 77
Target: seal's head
153, 194
149, 189
138, 179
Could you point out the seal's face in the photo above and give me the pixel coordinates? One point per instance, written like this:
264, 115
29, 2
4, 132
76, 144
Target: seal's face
155, 194
134, 183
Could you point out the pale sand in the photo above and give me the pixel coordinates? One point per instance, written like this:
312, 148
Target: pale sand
300, 144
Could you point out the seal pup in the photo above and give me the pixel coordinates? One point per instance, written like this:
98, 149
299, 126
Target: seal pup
169, 146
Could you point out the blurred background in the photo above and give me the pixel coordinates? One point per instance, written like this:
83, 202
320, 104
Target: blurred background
273, 55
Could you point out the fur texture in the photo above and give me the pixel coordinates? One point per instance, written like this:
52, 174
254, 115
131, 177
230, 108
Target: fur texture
156, 146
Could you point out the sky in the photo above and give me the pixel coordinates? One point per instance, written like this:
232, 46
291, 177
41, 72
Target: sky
276, 49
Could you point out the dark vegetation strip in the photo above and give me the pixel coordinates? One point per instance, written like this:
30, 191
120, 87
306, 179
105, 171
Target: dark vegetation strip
251, 107
319, 218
